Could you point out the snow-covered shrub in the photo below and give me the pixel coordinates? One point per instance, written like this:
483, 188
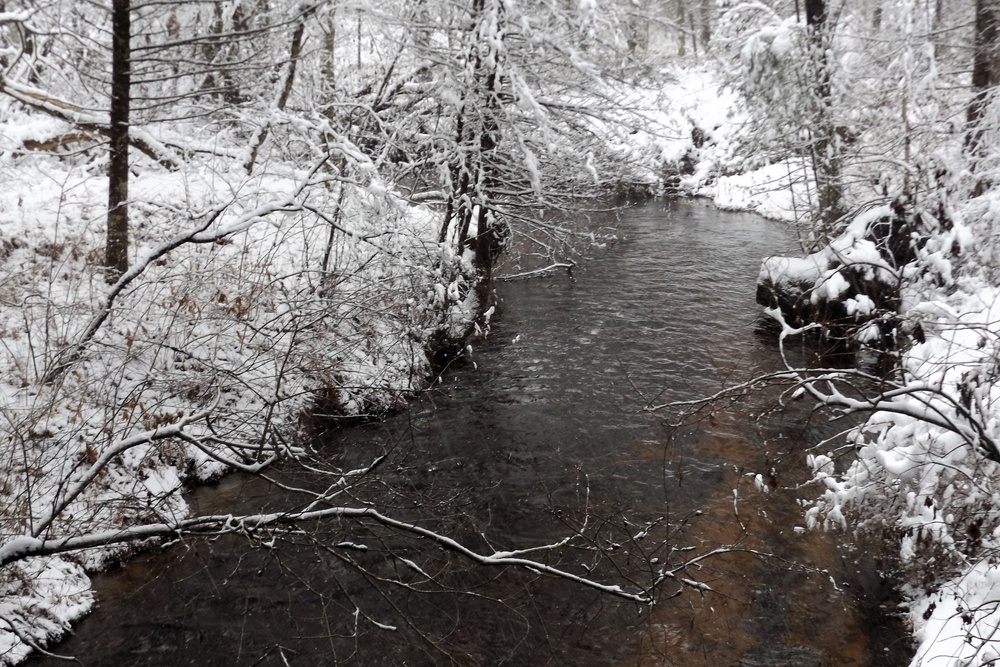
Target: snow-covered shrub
852, 286
924, 482
920, 479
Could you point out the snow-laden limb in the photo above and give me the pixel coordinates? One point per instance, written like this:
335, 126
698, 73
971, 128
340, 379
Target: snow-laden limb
86, 120
930, 402
16, 17
263, 527
923, 478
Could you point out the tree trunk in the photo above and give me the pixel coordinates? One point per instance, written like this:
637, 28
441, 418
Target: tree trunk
707, 7
985, 71
681, 36
694, 33
116, 252
295, 53
825, 149
329, 50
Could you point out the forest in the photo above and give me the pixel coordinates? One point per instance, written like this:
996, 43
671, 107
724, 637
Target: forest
222, 220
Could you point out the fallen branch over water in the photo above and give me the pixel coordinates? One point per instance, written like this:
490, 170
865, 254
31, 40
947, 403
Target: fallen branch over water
538, 272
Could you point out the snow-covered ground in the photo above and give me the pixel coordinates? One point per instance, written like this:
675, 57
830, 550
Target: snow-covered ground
698, 121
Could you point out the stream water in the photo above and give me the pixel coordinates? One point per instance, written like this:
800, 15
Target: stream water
538, 437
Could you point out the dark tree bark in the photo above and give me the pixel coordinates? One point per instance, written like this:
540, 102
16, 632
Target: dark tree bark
707, 11
116, 255
985, 70
816, 25
825, 149
681, 36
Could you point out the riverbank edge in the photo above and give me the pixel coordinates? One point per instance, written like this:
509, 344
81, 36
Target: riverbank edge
921, 495
427, 303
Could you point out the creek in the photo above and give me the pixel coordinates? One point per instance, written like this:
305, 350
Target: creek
539, 434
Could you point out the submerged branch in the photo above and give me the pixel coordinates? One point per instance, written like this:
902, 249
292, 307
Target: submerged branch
26, 546
538, 272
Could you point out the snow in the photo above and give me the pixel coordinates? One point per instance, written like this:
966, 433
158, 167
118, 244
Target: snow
697, 103
774, 191
947, 633
39, 600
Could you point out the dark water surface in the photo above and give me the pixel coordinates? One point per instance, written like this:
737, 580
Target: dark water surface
541, 436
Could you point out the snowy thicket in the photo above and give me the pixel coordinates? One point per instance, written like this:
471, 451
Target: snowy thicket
276, 307
921, 476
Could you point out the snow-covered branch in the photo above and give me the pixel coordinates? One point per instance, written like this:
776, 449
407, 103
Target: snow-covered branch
15, 17
27, 546
199, 234
73, 491
86, 120
929, 402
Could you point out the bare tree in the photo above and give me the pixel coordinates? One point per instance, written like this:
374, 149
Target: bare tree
985, 70
116, 257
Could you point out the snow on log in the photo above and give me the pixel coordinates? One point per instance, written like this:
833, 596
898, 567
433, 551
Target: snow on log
850, 283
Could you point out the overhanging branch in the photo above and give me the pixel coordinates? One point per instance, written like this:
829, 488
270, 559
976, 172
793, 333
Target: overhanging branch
87, 122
